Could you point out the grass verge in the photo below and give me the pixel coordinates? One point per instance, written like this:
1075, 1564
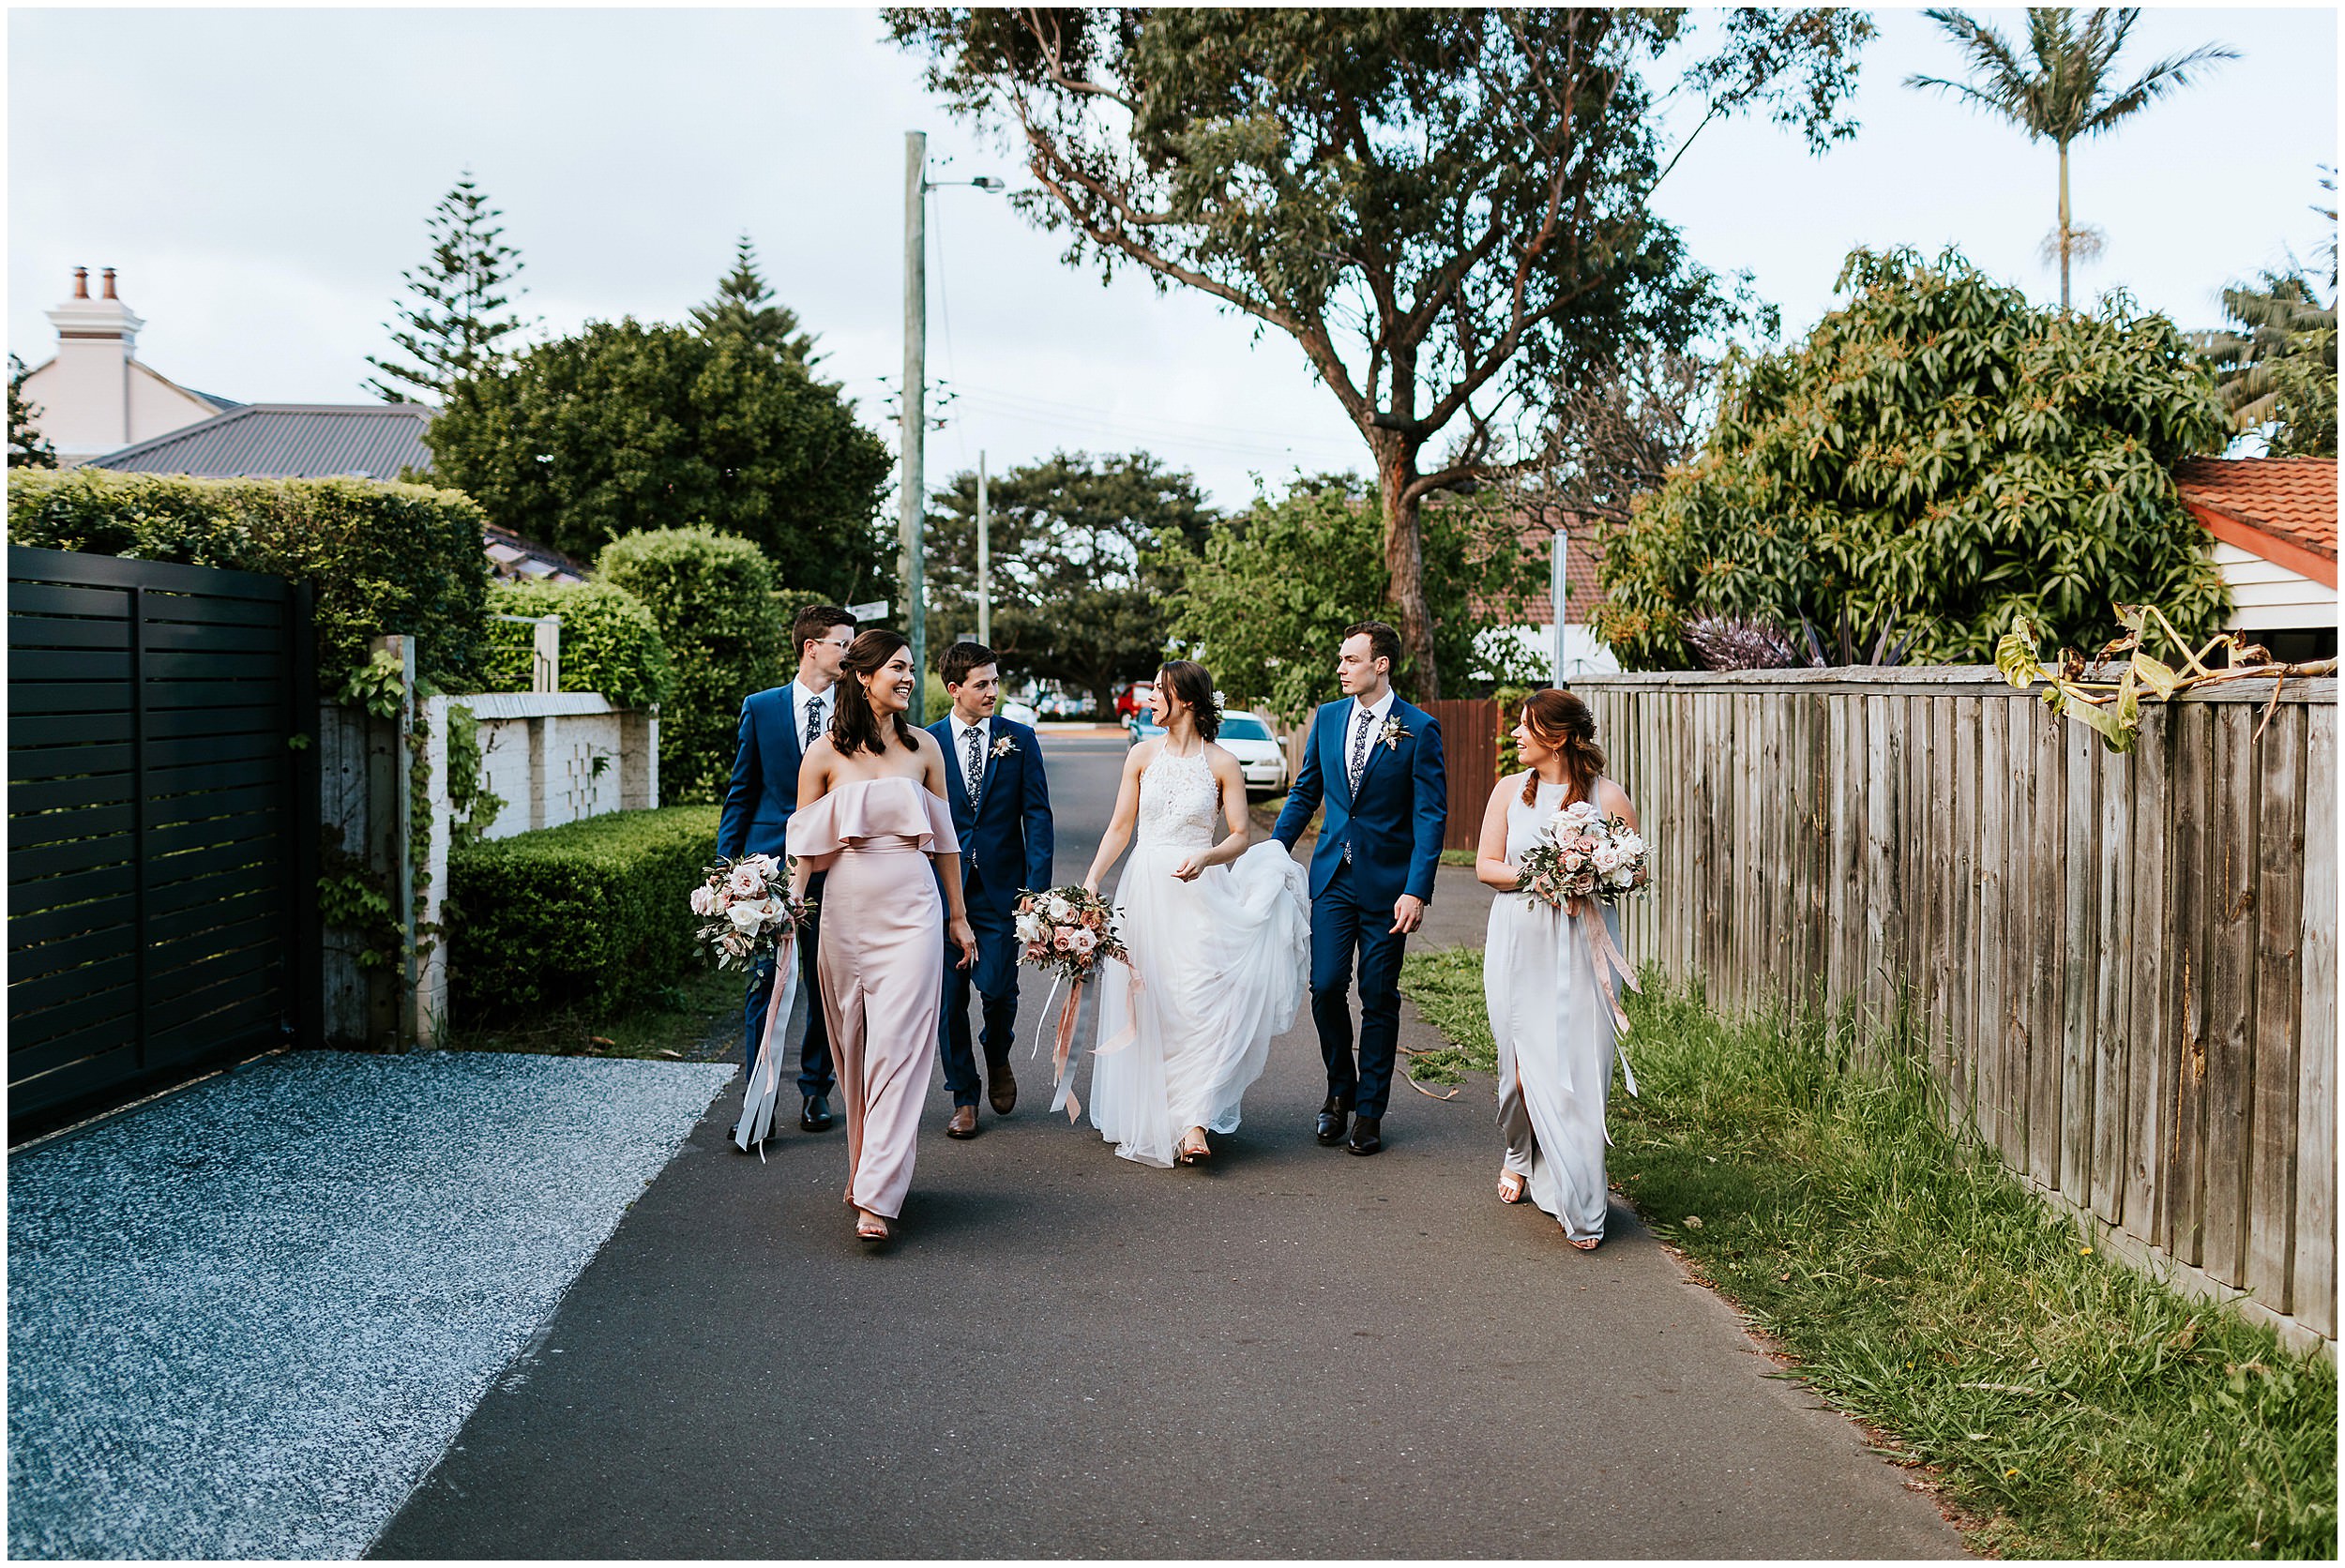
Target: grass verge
2069, 1406
681, 1022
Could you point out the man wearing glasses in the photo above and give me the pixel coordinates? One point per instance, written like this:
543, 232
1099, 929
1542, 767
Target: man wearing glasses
777, 727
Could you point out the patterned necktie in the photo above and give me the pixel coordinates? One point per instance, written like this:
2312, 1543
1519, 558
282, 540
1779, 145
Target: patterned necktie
1359, 747
974, 772
814, 720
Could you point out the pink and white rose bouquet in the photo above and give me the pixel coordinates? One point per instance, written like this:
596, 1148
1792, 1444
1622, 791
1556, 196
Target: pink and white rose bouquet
1069, 930
743, 906
1582, 853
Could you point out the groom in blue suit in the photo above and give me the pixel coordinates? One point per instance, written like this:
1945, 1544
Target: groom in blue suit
777, 727
1375, 762
1000, 802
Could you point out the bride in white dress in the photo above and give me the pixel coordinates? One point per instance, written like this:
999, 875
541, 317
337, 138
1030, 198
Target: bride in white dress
1219, 937
1549, 1009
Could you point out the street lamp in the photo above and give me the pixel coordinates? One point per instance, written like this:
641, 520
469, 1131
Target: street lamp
912, 505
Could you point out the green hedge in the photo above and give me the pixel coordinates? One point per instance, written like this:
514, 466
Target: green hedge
588, 914
610, 642
727, 635
385, 558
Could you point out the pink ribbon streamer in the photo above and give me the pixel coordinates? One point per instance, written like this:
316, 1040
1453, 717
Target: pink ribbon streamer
764, 1090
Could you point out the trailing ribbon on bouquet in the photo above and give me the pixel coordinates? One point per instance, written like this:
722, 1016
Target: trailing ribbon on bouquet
764, 1086
1062, 1059
1605, 960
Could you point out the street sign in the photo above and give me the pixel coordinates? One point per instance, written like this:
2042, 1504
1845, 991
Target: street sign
876, 610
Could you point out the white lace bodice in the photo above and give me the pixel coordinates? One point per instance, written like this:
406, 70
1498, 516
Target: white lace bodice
1178, 802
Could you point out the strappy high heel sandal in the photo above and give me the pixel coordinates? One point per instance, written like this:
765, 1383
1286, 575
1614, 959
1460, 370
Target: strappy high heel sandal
872, 1227
1515, 1192
1194, 1154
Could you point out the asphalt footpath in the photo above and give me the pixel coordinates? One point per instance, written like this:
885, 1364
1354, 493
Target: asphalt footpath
1295, 1351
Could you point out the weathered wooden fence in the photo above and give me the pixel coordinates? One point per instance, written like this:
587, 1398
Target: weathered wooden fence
2125, 964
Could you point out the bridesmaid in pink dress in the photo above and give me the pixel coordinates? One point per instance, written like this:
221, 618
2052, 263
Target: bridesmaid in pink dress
871, 812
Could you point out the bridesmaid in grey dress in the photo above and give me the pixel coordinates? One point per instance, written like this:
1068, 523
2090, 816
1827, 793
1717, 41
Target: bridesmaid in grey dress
871, 812
1552, 1023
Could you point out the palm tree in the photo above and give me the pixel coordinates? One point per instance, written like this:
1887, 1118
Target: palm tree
2063, 92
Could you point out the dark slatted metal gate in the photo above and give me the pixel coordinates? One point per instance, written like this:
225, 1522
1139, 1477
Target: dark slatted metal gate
162, 836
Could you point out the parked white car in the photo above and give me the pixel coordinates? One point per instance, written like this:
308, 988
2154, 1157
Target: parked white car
1247, 736
1018, 712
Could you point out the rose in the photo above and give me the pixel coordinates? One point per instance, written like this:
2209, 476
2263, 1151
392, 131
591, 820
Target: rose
1063, 941
1057, 908
1030, 928
745, 882
1081, 942
764, 863
746, 917
1606, 858
704, 901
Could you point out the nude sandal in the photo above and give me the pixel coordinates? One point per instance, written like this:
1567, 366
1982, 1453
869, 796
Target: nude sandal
1517, 1193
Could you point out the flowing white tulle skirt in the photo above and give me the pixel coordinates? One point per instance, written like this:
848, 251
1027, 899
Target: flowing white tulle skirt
1221, 965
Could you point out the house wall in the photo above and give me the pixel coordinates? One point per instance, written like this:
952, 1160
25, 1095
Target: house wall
93, 399
2269, 597
1583, 654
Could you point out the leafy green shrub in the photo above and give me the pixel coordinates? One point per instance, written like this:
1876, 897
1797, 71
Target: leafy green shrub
610, 642
1264, 604
727, 636
1937, 451
385, 558
586, 915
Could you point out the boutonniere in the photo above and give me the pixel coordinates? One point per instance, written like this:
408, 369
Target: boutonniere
1003, 748
1394, 735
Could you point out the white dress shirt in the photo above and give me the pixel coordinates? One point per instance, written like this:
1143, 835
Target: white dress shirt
984, 727
808, 700
1376, 713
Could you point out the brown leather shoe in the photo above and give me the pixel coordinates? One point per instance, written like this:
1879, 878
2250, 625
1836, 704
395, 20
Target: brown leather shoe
1001, 1086
964, 1122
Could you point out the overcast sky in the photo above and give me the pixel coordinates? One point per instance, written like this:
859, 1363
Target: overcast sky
261, 177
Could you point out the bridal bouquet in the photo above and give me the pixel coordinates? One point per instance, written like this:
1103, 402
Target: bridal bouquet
1582, 853
1070, 931
745, 907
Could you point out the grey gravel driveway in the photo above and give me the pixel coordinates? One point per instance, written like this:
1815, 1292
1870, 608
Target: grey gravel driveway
246, 1320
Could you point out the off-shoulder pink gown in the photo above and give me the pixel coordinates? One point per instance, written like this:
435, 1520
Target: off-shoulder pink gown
881, 963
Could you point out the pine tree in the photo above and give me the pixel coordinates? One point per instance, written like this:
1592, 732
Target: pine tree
28, 447
457, 318
742, 309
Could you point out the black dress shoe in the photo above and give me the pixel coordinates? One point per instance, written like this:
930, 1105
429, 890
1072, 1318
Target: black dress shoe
1365, 1136
733, 1140
1331, 1118
815, 1117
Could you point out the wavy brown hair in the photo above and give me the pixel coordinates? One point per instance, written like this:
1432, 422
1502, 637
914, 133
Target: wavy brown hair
1187, 680
854, 724
1563, 721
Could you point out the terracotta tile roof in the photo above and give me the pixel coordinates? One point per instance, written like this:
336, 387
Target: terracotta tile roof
2281, 509
1538, 526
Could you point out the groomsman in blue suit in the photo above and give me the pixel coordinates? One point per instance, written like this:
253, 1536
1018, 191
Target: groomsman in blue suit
1000, 802
777, 727
1375, 762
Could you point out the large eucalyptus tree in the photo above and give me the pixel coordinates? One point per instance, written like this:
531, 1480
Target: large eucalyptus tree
1448, 210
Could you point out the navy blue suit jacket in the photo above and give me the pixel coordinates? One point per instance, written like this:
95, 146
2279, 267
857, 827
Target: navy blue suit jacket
765, 787
1395, 822
1006, 840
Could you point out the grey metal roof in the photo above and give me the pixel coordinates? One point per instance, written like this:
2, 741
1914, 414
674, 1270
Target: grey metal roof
287, 441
